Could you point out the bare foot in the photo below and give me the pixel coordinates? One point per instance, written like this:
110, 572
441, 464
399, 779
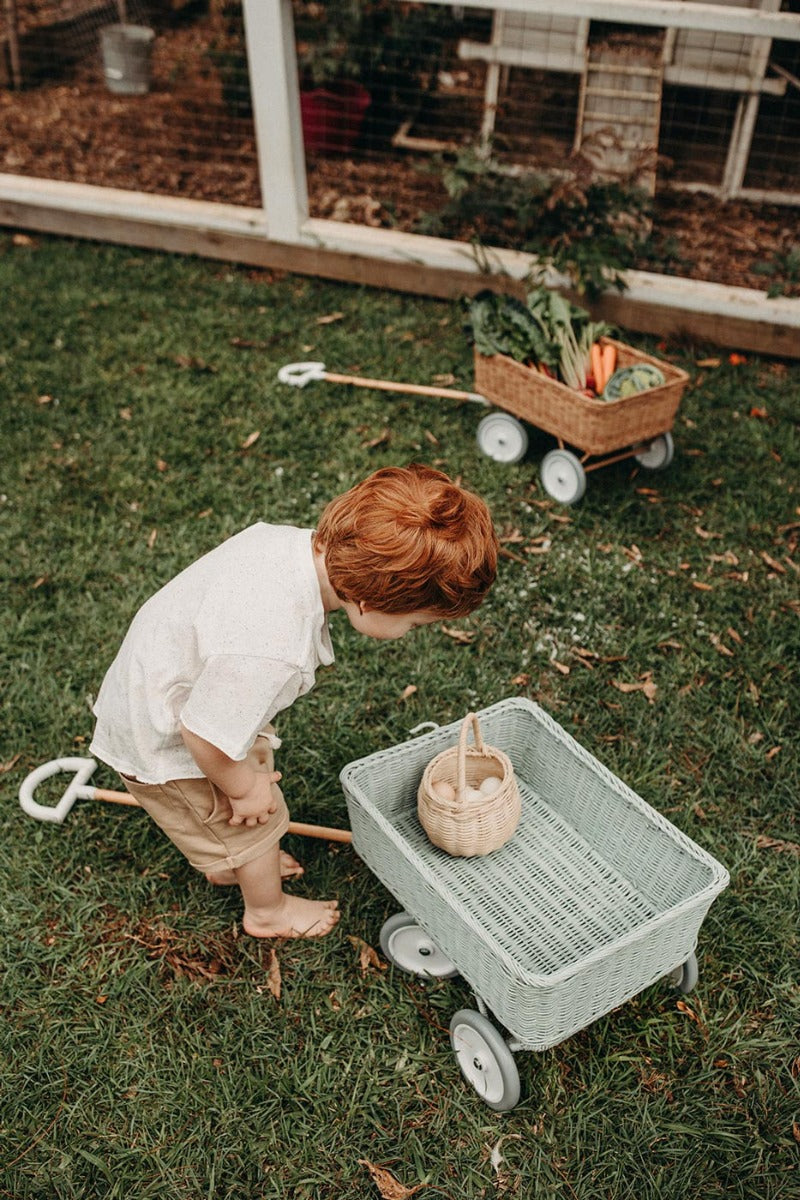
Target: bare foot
290, 869
295, 917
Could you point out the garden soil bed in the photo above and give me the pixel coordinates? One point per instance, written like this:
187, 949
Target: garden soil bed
181, 140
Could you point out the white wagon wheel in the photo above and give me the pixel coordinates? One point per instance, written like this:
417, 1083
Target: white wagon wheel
485, 1060
563, 477
407, 946
658, 455
502, 437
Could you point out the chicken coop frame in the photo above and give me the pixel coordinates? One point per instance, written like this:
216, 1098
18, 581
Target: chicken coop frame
281, 234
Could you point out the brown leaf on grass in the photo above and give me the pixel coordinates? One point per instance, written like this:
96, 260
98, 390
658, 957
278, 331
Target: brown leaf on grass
463, 636
9, 766
367, 957
151, 540
683, 1007
705, 534
250, 439
521, 680
382, 439
330, 318
408, 691
719, 645
702, 587
773, 563
389, 1187
188, 363
274, 973
645, 685
778, 844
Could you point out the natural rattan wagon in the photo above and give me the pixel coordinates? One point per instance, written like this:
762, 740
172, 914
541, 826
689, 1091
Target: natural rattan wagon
599, 431
594, 898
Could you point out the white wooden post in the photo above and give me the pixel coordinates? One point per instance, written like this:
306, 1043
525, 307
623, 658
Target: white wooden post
274, 87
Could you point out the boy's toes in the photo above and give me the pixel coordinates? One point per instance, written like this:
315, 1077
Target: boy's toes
290, 867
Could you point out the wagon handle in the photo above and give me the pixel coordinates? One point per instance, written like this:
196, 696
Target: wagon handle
80, 789
300, 373
469, 719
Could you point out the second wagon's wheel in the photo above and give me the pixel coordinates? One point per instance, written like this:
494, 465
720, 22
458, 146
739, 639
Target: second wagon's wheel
502, 437
685, 976
563, 477
407, 946
485, 1060
658, 455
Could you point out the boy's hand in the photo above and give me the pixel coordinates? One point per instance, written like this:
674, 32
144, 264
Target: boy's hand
255, 806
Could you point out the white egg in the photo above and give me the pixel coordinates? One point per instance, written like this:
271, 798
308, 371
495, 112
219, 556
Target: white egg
445, 791
473, 795
490, 784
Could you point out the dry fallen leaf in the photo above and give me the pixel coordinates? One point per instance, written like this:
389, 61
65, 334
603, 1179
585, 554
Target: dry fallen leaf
382, 438
250, 439
644, 685
767, 843
408, 691
274, 973
458, 635
9, 766
719, 645
330, 318
389, 1187
367, 957
773, 563
151, 541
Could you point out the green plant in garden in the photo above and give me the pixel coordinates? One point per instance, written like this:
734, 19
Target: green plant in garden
591, 231
783, 271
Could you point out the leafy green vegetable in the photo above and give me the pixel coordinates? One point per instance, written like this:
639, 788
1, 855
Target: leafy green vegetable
545, 331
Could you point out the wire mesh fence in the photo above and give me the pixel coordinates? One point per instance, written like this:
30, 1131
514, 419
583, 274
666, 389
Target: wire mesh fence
464, 122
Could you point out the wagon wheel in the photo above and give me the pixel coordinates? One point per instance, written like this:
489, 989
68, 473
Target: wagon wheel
658, 455
485, 1060
502, 437
407, 946
563, 476
685, 975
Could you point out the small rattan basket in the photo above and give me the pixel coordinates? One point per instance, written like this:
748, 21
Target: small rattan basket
468, 826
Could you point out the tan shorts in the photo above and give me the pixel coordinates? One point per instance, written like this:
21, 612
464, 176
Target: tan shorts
194, 815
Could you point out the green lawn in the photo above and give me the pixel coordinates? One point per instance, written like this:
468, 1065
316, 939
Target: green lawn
144, 1052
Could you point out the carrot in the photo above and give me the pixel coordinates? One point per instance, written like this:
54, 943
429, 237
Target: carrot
596, 356
609, 355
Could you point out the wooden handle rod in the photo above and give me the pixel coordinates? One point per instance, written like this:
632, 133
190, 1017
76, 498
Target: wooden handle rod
314, 831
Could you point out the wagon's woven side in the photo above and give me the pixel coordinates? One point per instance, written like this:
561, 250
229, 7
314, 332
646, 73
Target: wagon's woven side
559, 926
592, 425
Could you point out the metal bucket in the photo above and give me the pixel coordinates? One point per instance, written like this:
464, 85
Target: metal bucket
126, 58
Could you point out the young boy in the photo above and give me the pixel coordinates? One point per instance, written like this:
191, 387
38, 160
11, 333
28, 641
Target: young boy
183, 712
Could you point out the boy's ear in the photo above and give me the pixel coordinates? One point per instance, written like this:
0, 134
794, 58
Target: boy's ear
363, 607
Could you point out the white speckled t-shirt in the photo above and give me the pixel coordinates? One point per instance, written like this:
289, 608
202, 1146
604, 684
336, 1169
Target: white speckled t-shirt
222, 648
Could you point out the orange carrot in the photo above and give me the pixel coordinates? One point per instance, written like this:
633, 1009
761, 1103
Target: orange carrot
609, 361
596, 356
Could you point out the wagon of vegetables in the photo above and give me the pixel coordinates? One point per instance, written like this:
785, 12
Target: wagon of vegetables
546, 363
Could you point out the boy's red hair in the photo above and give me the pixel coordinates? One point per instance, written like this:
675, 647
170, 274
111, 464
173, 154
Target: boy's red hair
408, 539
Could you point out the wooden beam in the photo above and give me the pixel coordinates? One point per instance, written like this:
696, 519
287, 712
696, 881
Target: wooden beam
738, 317
663, 14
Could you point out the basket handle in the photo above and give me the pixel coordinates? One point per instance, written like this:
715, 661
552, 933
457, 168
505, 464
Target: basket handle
469, 719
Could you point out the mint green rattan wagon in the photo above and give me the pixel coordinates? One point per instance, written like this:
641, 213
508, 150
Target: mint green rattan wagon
596, 896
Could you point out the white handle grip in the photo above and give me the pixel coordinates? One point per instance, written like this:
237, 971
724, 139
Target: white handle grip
299, 374
77, 789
